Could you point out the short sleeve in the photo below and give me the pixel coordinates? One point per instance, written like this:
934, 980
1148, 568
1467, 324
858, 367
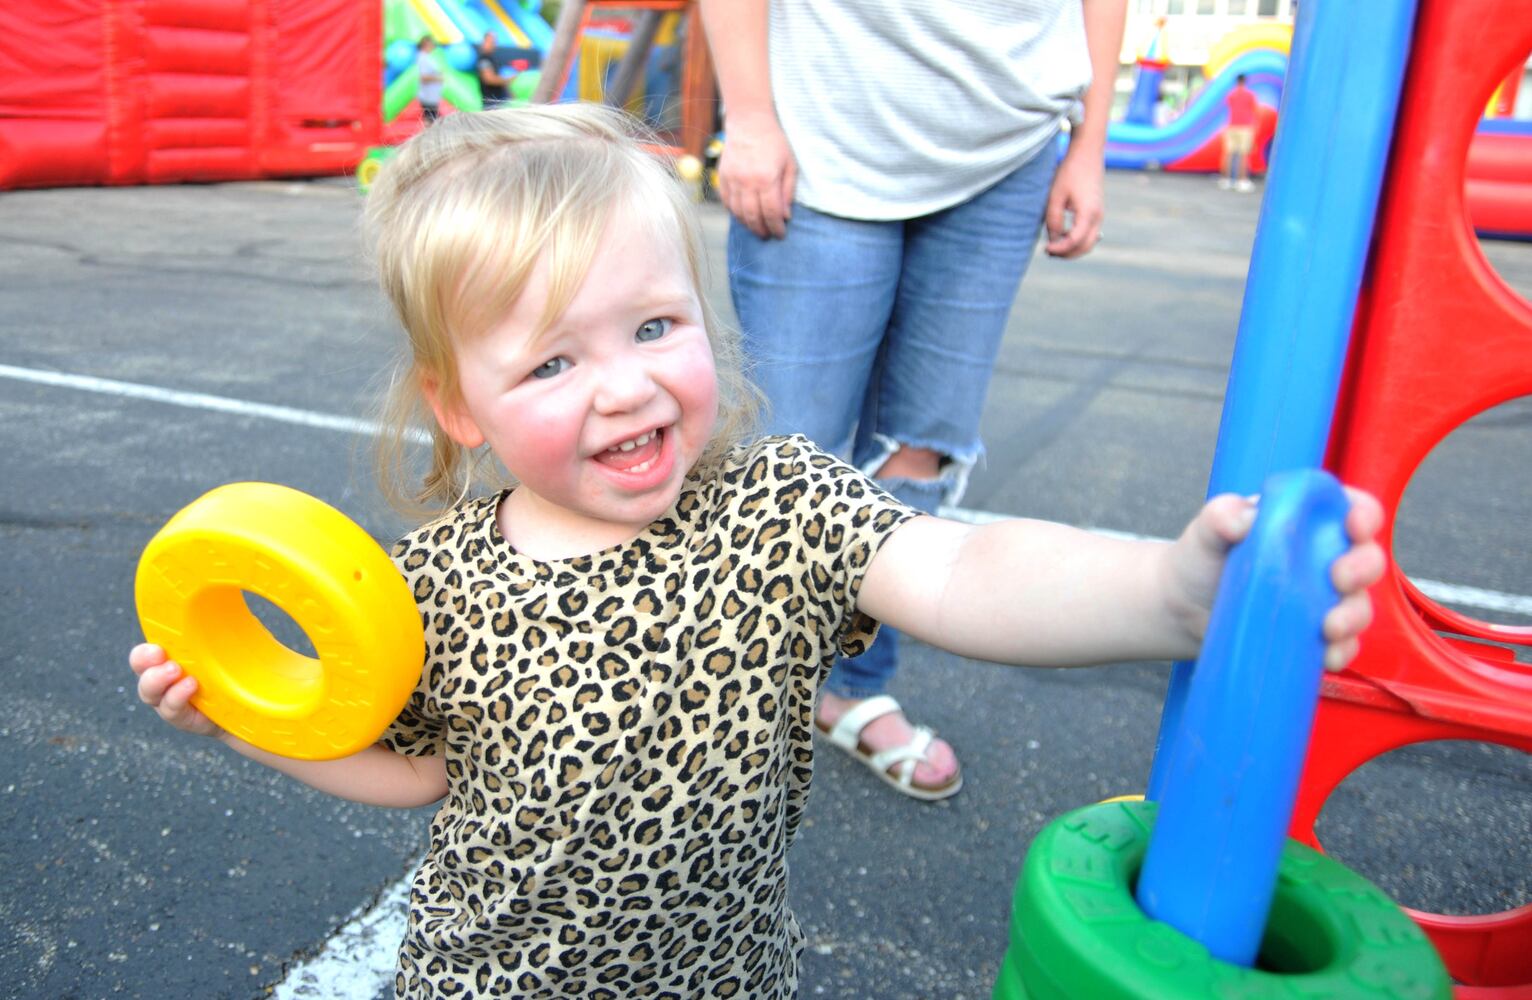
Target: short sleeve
417, 730
843, 518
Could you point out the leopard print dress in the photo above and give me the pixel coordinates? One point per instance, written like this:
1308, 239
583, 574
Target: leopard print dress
628, 736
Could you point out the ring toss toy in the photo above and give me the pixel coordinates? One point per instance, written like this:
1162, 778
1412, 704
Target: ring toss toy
325, 572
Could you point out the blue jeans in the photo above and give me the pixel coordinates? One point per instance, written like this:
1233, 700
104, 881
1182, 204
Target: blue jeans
868, 335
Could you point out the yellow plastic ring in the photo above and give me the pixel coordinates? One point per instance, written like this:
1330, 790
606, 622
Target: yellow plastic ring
325, 572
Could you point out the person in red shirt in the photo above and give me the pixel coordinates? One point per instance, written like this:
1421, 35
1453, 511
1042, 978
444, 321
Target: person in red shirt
1238, 138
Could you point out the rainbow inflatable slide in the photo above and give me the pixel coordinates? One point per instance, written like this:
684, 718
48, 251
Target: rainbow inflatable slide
1191, 141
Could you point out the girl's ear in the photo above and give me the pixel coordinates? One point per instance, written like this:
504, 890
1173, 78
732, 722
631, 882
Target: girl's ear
452, 417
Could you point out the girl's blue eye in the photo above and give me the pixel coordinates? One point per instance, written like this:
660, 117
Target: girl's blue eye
654, 330
550, 368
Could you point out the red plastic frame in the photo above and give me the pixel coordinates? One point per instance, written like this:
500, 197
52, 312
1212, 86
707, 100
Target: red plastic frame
1430, 295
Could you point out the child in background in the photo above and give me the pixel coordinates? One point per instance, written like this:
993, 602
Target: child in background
429, 88
624, 647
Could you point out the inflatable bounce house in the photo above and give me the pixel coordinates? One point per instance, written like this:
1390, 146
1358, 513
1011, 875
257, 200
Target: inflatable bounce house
158, 91
521, 38
1499, 181
522, 41
642, 57
1193, 139
1499, 173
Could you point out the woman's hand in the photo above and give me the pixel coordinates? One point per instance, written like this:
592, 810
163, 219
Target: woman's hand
757, 175
1076, 205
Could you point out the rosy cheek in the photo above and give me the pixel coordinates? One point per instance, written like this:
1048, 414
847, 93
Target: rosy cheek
541, 457
544, 438
701, 383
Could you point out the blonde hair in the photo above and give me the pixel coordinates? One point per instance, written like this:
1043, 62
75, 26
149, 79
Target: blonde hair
456, 221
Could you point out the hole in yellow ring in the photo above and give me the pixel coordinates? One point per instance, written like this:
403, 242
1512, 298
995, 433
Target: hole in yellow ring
242, 658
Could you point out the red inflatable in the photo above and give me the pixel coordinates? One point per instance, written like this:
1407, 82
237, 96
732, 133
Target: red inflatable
156, 91
1499, 183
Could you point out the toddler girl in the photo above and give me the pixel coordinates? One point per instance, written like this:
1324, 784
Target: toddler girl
624, 646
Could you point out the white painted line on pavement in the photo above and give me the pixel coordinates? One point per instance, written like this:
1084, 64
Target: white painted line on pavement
1474, 597
1444, 593
357, 963
194, 400
1447, 593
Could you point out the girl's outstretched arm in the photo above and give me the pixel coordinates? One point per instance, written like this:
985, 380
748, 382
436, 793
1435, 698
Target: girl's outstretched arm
376, 776
1045, 594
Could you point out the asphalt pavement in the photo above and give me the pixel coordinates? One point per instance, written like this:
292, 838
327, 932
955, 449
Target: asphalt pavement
160, 341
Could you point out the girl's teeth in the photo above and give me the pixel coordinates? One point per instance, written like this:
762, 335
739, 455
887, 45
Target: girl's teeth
642, 439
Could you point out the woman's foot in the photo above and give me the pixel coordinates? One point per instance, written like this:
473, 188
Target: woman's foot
889, 744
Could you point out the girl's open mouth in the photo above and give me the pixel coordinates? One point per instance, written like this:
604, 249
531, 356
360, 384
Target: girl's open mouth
636, 455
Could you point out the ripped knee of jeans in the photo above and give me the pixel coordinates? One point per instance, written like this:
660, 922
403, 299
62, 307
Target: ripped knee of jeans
946, 489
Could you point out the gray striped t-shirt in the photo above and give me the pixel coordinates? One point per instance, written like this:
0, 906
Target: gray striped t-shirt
899, 108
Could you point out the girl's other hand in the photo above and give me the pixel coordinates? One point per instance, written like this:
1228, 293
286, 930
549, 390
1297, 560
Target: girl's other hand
166, 688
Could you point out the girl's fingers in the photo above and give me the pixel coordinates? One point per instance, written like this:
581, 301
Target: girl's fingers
1339, 654
1359, 568
177, 697
145, 655
1230, 517
156, 680
1355, 571
168, 689
1365, 517
1348, 619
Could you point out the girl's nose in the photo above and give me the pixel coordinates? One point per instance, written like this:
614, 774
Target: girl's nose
623, 386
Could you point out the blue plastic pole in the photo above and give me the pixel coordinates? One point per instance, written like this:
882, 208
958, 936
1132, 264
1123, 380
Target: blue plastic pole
1328, 158
1211, 867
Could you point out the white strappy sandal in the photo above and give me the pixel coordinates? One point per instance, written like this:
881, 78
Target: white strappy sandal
847, 733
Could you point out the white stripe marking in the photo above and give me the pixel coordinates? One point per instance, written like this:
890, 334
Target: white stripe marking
1447, 593
1474, 597
1444, 593
197, 401
357, 963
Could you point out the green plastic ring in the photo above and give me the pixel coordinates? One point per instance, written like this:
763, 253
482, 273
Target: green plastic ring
1077, 931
